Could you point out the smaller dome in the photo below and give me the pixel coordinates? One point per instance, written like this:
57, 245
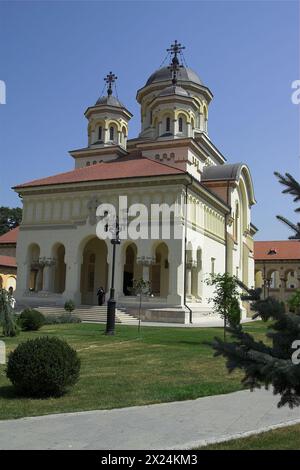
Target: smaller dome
174, 90
109, 100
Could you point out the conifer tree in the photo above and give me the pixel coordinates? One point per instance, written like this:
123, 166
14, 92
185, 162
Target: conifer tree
273, 363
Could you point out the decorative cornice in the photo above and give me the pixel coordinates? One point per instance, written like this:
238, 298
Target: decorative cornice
98, 151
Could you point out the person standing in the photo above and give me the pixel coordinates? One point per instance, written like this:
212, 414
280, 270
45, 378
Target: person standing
101, 296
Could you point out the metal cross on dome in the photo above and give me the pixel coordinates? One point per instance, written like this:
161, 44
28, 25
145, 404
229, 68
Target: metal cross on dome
110, 79
175, 49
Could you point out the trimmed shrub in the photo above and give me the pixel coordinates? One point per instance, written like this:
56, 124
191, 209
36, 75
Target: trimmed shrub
31, 320
43, 367
58, 319
69, 306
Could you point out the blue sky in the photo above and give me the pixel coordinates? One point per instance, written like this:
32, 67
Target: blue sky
54, 55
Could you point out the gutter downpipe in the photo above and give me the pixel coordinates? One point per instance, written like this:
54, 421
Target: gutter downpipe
226, 242
226, 233
185, 251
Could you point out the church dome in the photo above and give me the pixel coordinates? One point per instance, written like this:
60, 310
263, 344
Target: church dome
109, 100
185, 74
174, 90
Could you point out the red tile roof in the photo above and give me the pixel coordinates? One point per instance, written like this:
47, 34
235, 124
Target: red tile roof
8, 261
277, 250
123, 167
10, 237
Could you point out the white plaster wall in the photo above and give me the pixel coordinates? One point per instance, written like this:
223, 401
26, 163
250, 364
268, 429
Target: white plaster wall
179, 157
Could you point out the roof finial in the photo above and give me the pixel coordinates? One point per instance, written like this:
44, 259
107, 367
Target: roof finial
175, 49
110, 79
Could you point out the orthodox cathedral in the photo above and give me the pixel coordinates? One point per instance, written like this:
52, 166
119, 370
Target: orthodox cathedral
171, 162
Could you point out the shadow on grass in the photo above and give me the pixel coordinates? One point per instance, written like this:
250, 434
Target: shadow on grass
8, 391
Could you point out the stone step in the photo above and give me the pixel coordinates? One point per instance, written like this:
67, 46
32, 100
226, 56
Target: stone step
91, 313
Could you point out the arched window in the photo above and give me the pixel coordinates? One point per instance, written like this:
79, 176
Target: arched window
94, 162
168, 124
180, 124
111, 133
87, 163
100, 133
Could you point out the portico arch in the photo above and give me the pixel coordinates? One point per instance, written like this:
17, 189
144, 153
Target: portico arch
94, 270
11, 282
291, 279
274, 279
259, 281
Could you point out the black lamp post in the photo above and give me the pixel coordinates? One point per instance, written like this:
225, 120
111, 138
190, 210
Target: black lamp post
111, 304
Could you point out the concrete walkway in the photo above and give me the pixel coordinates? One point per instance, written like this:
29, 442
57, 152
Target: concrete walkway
177, 425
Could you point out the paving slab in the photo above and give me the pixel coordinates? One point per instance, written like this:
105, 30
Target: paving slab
176, 425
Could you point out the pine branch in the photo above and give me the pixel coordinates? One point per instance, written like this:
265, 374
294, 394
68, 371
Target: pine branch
292, 186
262, 368
294, 227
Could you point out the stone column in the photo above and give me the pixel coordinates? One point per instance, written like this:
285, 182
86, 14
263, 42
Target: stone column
39, 279
119, 138
105, 135
201, 121
146, 273
189, 129
174, 126
46, 278
73, 262
146, 261
48, 264
283, 283
27, 271
159, 129
176, 273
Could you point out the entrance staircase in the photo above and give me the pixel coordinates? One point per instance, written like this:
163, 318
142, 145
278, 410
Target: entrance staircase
92, 314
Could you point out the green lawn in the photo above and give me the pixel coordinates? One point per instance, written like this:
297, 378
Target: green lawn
163, 364
287, 438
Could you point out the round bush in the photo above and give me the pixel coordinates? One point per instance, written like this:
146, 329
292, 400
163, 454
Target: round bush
31, 320
43, 367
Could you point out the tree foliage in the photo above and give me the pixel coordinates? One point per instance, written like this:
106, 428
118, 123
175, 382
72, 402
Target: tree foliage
270, 363
7, 320
9, 218
226, 298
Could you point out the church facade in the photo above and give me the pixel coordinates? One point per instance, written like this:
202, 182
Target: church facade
172, 163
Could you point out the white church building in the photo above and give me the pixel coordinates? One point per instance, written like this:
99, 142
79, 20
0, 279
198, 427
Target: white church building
173, 162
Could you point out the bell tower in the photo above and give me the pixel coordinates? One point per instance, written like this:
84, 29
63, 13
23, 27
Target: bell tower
107, 129
108, 119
